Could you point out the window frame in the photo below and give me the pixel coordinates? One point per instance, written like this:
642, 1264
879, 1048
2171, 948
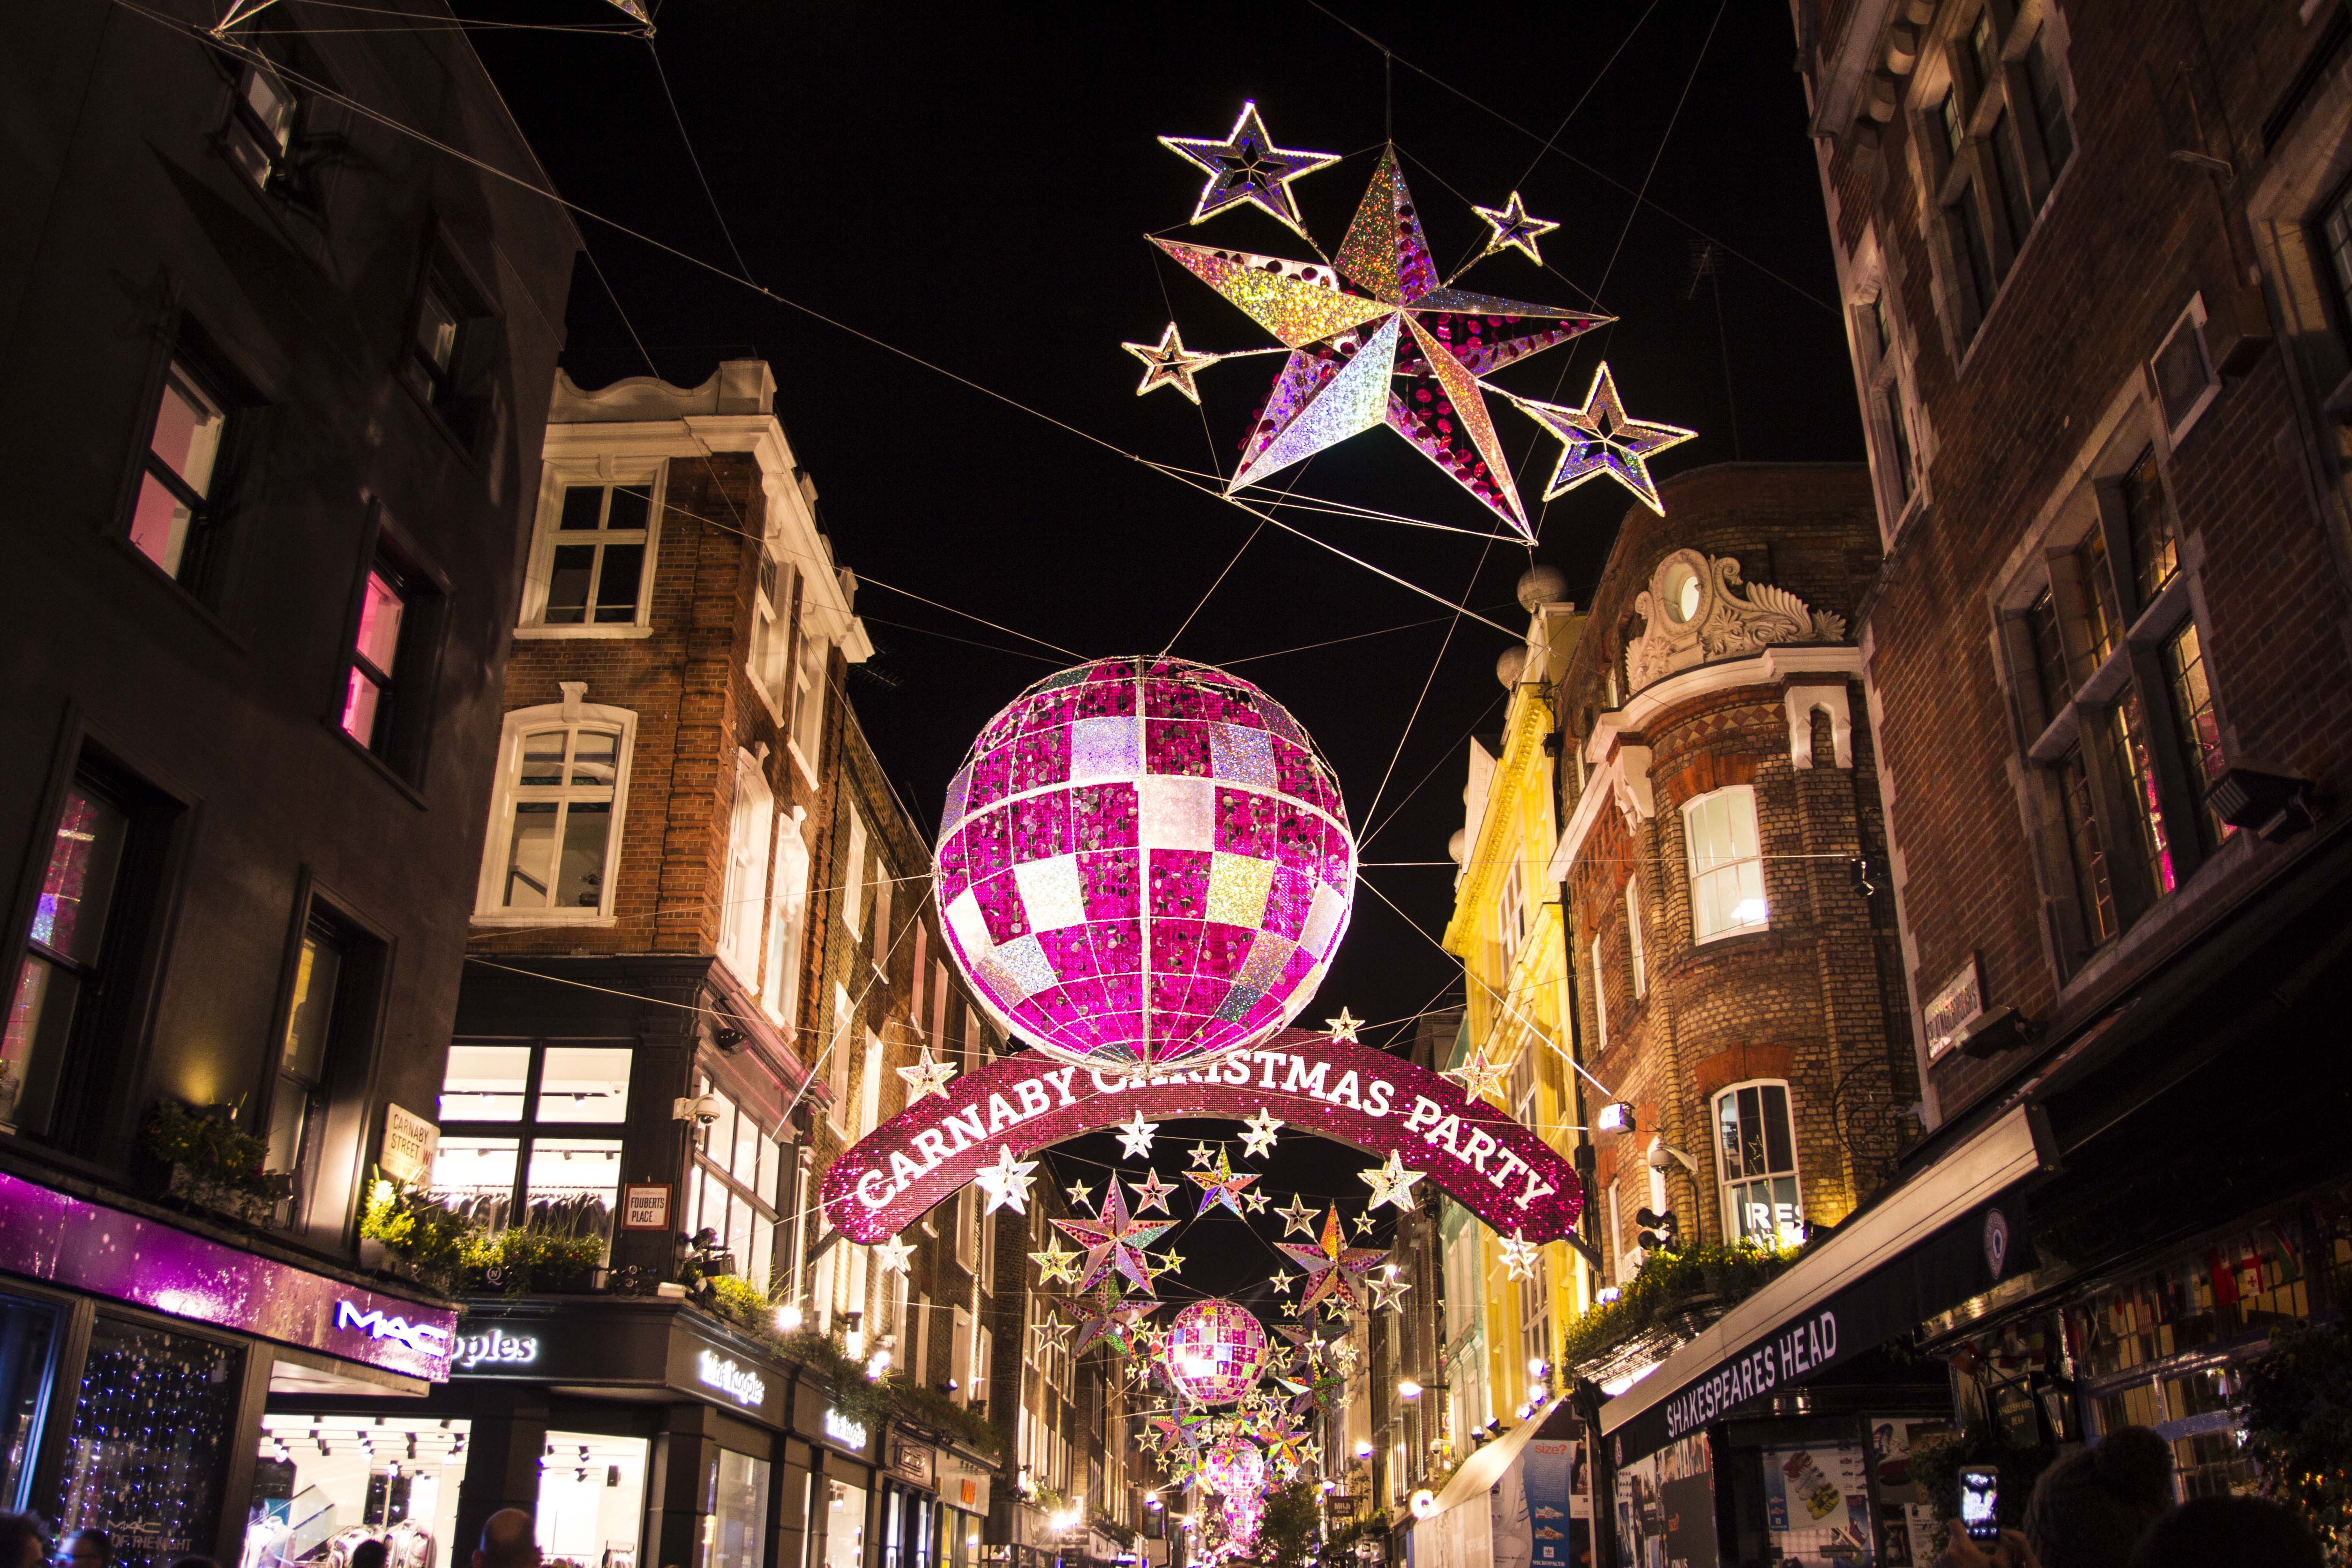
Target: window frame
1636, 953
522, 721
1884, 362
745, 897
186, 356
2090, 908
261, 152
701, 1165
462, 399
111, 1024
1997, 122
528, 1127
771, 653
603, 472
1692, 871
1599, 959
347, 1064
1733, 1231
780, 990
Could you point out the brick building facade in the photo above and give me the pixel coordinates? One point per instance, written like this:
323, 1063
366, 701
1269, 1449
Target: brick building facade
1717, 796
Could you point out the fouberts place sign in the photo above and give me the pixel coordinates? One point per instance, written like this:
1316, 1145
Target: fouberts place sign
1483, 1159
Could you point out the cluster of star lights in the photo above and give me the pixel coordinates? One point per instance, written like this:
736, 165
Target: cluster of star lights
1376, 337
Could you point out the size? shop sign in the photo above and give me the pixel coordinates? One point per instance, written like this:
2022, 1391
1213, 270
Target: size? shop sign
1475, 1152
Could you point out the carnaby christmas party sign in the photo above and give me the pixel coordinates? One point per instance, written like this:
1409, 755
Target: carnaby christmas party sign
1477, 1154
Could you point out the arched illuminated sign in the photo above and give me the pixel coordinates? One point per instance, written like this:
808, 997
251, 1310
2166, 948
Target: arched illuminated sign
1478, 1155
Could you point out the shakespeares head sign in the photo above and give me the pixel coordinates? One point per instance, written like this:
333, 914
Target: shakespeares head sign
1497, 1169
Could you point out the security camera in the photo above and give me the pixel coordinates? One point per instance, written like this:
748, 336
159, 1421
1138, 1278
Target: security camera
701, 1111
1662, 1153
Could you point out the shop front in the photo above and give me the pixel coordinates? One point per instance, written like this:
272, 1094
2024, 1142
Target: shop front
137, 1360
634, 1431
842, 1494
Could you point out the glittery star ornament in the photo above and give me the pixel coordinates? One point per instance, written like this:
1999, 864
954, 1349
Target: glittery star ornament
1202, 1155
1108, 1318
1478, 1077
1151, 1193
1168, 1262
1388, 1290
1135, 1137
1341, 1030
1520, 1256
1411, 356
1329, 1262
1082, 1194
893, 1256
1007, 1181
1052, 1333
1297, 1219
1391, 1182
1247, 167
1513, 229
1057, 1264
1113, 1239
1258, 1142
1169, 363
1220, 1187
1598, 438
1255, 1202
1282, 1282
928, 1075
1363, 1223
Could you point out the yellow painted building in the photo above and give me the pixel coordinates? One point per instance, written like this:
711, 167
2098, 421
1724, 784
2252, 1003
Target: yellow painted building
1501, 1334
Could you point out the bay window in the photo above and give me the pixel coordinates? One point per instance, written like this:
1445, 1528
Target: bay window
1761, 1200
1726, 867
732, 1188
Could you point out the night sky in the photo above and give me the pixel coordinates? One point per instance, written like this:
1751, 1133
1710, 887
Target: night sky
970, 184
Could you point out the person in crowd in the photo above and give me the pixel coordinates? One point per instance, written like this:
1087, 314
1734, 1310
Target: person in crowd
2244, 1531
24, 1540
86, 1548
508, 1540
194, 1560
2009, 1551
366, 1554
2090, 1508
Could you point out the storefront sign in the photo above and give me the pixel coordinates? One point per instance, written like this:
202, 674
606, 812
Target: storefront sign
964, 1484
1477, 1154
645, 1206
65, 1240
915, 1463
741, 1385
844, 1430
1953, 1008
1893, 1298
494, 1347
409, 1144
424, 1339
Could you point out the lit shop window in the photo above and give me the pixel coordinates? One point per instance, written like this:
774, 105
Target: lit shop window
323, 1483
530, 1136
591, 1501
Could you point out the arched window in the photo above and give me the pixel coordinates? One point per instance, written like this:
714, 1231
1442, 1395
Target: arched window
1727, 869
1761, 1200
555, 817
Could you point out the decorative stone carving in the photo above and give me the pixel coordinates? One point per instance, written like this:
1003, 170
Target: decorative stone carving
1631, 792
1697, 610
1804, 702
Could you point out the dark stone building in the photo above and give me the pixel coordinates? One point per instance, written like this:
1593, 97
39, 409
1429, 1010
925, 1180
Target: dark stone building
279, 375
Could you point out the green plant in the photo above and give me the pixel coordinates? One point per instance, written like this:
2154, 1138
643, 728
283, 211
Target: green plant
1669, 1282
2297, 1397
421, 1232
1285, 1533
205, 1139
522, 1260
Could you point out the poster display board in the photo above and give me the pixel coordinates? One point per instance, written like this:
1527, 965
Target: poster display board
1665, 1508
1817, 1505
1559, 1504
1907, 1533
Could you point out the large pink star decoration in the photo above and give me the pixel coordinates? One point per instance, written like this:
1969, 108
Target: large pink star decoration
1221, 1185
1598, 438
1376, 339
1329, 1262
1114, 1239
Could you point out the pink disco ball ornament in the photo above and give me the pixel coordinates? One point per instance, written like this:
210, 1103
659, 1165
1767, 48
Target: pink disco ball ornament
1216, 1352
1144, 862
1234, 1468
